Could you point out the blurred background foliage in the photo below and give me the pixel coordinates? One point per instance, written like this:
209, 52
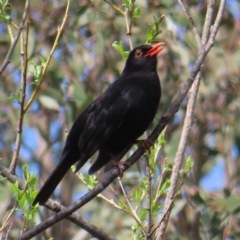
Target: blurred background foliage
83, 65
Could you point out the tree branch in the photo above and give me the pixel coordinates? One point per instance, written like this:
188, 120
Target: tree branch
149, 199
57, 207
192, 24
13, 45
128, 20
24, 62
178, 162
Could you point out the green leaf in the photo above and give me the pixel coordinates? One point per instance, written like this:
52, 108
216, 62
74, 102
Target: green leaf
15, 96
8, 19
137, 195
143, 214
127, 3
22, 202
37, 71
14, 188
154, 31
43, 60
161, 139
73, 168
136, 13
122, 205
164, 187
189, 164
32, 181
155, 208
144, 184
149, 35
153, 152
125, 54
119, 47
91, 180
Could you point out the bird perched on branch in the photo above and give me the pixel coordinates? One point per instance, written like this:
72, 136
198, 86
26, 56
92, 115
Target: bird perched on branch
114, 121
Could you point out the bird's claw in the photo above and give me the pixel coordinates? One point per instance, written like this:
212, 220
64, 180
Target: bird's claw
120, 166
146, 144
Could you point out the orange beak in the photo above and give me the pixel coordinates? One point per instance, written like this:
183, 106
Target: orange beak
156, 48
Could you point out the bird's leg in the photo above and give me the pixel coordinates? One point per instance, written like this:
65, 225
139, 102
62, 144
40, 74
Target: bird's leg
120, 166
146, 144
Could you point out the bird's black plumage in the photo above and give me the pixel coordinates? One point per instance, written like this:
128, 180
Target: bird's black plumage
114, 121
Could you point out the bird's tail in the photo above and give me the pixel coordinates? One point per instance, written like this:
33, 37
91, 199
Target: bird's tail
52, 181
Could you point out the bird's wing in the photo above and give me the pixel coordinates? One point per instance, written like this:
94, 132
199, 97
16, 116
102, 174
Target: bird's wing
103, 119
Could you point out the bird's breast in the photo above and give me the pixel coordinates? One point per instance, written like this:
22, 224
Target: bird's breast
143, 99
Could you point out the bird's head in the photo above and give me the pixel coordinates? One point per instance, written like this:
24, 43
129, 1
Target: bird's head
143, 58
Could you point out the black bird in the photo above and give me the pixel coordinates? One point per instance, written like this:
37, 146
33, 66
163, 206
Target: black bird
114, 121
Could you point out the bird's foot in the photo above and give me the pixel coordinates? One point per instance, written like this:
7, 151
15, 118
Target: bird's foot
120, 166
146, 144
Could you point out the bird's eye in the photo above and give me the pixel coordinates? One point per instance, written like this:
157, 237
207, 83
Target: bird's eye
138, 53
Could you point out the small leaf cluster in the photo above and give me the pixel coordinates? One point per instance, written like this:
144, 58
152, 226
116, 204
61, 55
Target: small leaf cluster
37, 70
90, 180
25, 197
135, 11
119, 47
5, 11
155, 29
141, 193
15, 96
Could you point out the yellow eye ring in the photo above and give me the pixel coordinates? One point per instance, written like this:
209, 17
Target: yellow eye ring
138, 53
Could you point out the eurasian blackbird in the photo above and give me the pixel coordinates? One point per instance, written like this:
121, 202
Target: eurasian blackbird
113, 122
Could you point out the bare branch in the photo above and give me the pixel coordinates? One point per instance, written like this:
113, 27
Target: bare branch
13, 45
128, 20
57, 207
114, 7
149, 199
192, 24
130, 209
208, 21
24, 62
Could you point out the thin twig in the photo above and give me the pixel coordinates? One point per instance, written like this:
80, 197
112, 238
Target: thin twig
24, 62
112, 203
57, 207
149, 199
128, 20
170, 206
10, 33
157, 197
192, 24
132, 211
208, 21
13, 45
45, 66
13, 209
114, 7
